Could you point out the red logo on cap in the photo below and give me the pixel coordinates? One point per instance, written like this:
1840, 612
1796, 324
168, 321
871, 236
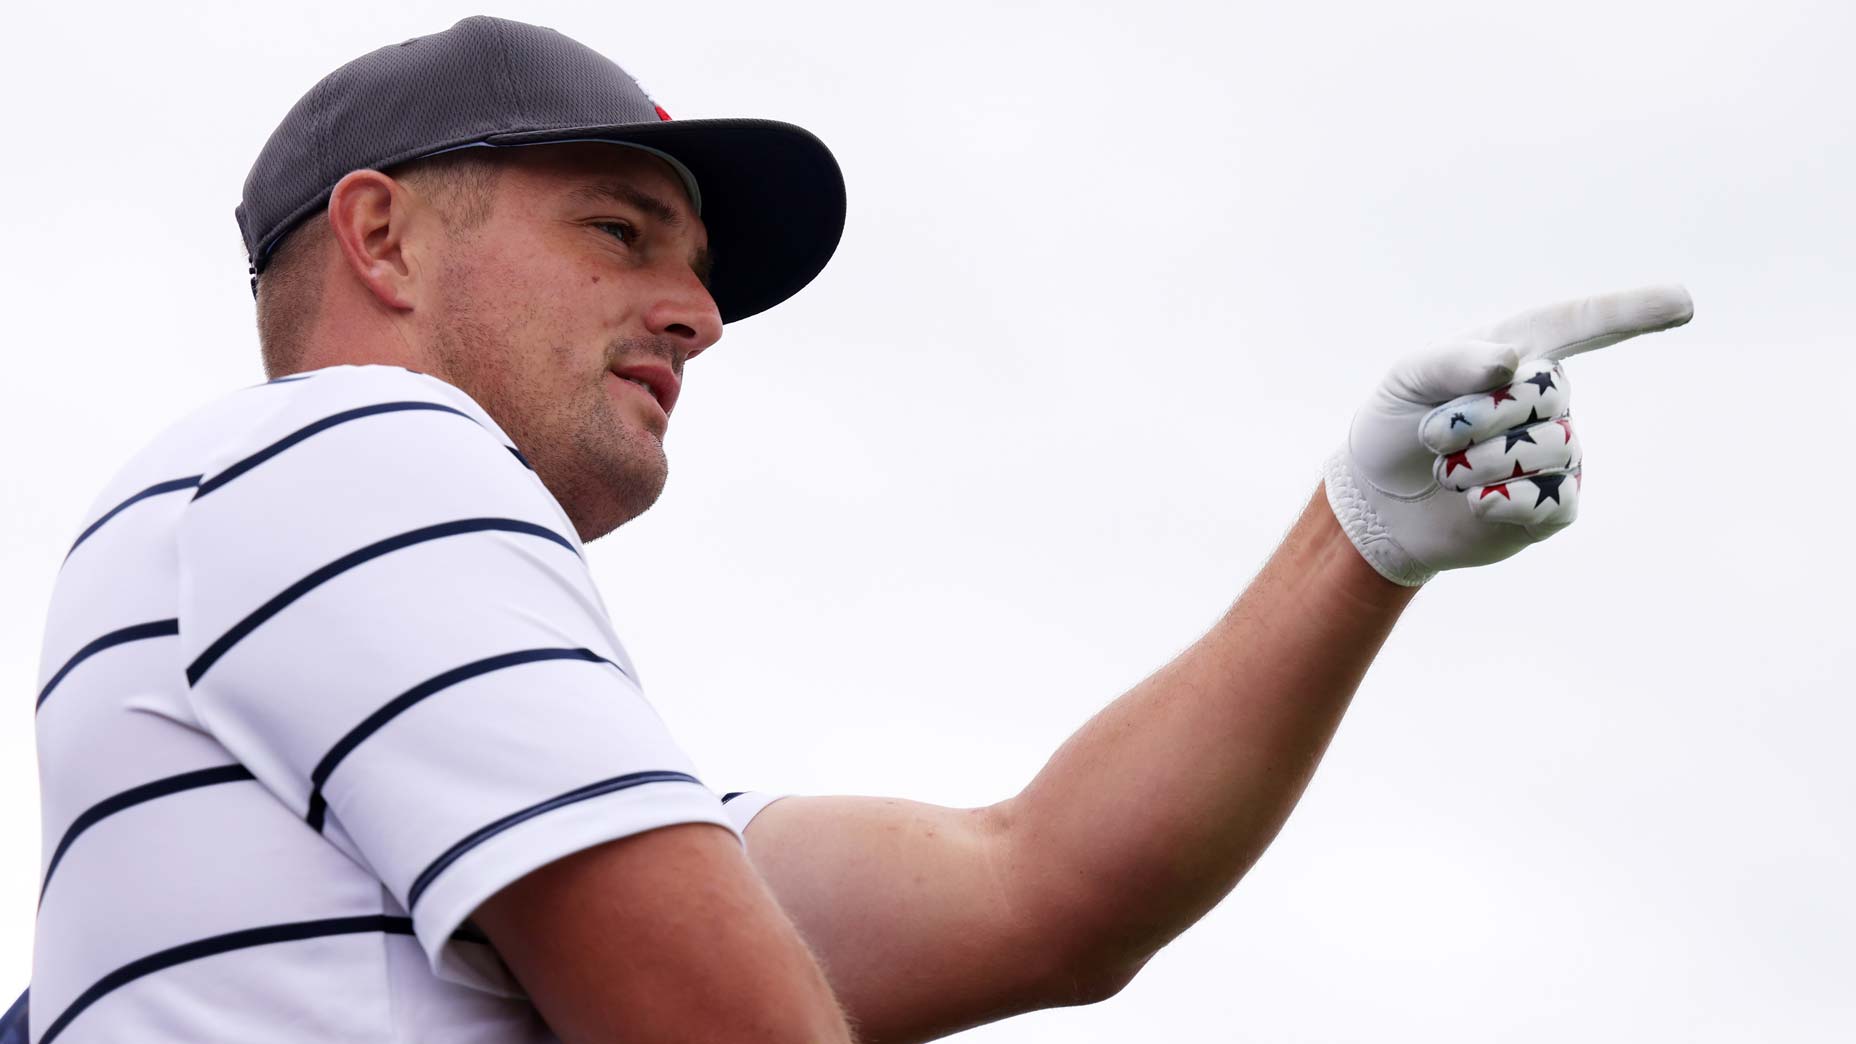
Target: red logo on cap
661, 114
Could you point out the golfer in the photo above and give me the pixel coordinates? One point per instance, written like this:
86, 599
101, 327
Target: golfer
337, 740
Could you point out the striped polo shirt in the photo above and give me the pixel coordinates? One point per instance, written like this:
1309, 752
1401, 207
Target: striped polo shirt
325, 670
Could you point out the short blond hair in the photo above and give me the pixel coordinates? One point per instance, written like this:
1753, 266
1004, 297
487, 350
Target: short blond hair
461, 186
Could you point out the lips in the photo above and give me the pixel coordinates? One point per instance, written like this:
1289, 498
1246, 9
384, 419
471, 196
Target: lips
654, 378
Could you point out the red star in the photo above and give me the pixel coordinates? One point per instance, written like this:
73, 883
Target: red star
1518, 473
1499, 395
1578, 479
1566, 426
1501, 488
1454, 460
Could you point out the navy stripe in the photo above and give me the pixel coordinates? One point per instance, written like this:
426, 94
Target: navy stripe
520, 457
137, 795
310, 430
152, 629
287, 380
219, 944
258, 616
15, 1019
399, 704
170, 486
591, 790
731, 795
13, 1023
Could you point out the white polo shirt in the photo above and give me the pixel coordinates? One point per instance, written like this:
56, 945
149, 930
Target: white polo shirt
324, 671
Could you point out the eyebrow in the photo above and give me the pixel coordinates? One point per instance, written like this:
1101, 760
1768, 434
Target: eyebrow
701, 262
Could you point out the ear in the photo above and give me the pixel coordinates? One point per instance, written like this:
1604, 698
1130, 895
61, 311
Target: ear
379, 227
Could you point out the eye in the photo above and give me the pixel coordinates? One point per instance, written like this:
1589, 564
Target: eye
623, 231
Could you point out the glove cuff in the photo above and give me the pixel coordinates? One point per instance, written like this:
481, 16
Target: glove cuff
1365, 528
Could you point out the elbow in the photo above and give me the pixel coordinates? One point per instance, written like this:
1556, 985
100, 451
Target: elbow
1090, 980
1071, 936
1086, 961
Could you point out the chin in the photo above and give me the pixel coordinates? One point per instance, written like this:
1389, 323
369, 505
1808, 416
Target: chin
638, 499
604, 472
628, 490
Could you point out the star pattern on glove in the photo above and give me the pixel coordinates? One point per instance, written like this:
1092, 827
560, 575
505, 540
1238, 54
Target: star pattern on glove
1393, 482
1519, 432
1549, 487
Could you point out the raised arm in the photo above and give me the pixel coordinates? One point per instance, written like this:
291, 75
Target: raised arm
929, 920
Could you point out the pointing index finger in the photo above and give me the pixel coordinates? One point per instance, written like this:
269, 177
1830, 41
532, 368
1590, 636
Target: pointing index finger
1560, 331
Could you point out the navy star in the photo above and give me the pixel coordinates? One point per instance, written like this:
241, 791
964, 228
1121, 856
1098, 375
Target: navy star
1455, 417
1542, 380
1519, 432
1549, 486
1515, 435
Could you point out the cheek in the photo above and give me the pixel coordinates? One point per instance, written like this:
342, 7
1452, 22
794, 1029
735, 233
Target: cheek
548, 310
538, 314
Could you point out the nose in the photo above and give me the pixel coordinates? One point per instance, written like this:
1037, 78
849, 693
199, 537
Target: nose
685, 313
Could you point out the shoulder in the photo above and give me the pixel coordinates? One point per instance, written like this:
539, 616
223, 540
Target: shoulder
357, 437
230, 428
336, 385
352, 450
322, 399
244, 428
350, 417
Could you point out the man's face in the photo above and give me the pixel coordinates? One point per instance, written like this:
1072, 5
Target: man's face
582, 287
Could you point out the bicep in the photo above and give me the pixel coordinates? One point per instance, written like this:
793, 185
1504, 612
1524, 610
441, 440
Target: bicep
927, 919
666, 935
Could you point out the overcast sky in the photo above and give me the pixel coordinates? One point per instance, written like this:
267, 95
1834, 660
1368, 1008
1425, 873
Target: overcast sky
1114, 279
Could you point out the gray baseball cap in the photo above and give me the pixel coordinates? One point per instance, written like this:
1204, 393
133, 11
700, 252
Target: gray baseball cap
770, 193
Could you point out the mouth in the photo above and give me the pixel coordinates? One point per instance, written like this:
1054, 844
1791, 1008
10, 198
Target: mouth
655, 380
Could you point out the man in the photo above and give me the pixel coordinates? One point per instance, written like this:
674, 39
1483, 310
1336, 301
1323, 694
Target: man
337, 742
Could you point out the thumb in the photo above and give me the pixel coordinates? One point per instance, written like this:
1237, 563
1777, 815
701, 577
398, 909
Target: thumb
1453, 369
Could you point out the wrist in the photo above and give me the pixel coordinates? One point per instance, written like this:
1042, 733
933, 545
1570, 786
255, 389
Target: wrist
1361, 528
1334, 556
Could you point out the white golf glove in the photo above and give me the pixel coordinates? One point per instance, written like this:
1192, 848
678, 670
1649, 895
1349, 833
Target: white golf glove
1465, 454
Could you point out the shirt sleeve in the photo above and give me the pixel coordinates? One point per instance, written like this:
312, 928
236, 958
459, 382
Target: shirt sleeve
743, 806
389, 620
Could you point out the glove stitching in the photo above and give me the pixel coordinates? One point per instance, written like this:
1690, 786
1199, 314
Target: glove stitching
1366, 530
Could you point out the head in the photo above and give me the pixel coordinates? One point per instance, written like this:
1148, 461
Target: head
531, 278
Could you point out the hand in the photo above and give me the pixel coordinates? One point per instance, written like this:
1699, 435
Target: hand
1465, 454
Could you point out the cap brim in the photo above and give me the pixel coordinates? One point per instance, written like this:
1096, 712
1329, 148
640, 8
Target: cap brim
772, 199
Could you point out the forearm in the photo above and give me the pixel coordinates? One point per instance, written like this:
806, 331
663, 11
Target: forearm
1149, 815
929, 920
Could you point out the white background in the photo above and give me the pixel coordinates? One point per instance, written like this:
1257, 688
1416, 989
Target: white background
1114, 278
